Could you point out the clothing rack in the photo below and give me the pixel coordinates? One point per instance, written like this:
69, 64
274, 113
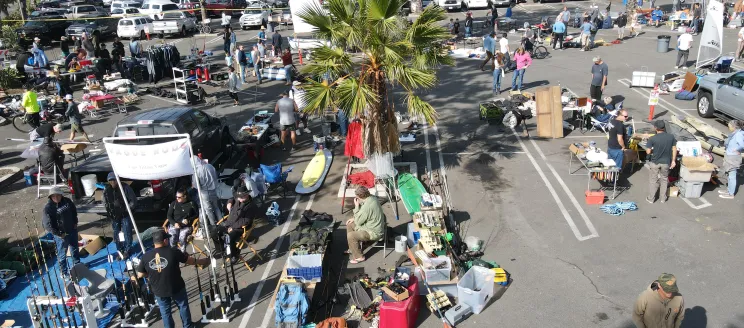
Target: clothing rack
160, 59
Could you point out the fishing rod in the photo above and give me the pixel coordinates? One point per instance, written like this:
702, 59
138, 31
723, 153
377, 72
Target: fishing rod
49, 290
110, 260
211, 291
39, 315
227, 288
59, 284
235, 296
203, 305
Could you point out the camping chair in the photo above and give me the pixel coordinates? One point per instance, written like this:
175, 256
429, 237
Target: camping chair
275, 178
243, 241
98, 286
190, 238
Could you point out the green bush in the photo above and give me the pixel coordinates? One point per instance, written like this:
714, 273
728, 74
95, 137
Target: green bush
9, 78
9, 37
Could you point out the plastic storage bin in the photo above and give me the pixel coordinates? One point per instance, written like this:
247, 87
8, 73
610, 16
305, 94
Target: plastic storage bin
476, 288
308, 268
693, 175
401, 314
439, 275
690, 189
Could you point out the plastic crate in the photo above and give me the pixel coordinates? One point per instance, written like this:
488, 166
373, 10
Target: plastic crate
438, 275
307, 268
595, 197
690, 189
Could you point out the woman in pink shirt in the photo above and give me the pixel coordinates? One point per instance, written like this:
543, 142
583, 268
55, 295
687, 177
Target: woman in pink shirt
524, 60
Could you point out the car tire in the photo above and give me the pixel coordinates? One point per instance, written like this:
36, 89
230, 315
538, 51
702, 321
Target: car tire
183, 31
705, 105
228, 143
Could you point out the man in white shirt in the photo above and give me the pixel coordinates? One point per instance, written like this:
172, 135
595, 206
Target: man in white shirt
740, 45
504, 48
684, 43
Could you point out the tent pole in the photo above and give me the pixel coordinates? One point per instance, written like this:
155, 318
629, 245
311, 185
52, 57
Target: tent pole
129, 211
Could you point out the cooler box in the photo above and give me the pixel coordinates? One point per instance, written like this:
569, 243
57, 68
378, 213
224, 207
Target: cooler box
401, 314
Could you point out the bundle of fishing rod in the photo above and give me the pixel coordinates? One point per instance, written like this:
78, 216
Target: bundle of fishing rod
216, 303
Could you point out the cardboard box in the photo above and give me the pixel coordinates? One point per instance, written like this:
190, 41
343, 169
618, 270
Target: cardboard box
577, 150
92, 246
674, 191
98, 195
398, 297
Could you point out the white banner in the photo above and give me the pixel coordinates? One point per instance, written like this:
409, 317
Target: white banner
712, 37
151, 162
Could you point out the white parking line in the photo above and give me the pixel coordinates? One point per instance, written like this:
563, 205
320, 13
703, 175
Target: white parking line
558, 201
697, 207
662, 103
166, 99
267, 270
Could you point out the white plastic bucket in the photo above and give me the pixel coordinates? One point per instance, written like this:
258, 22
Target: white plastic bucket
89, 184
400, 244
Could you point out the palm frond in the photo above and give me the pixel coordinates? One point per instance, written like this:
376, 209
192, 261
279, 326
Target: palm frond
355, 96
318, 97
417, 106
332, 61
317, 17
411, 78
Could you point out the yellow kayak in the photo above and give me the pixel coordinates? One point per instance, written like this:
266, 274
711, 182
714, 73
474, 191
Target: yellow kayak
315, 172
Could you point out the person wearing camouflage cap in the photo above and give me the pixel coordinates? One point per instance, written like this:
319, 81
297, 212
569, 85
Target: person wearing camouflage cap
660, 305
60, 219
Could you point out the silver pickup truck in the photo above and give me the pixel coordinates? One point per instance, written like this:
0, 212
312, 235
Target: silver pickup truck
174, 22
721, 95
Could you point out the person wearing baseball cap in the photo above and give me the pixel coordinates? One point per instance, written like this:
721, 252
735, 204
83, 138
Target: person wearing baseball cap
60, 219
241, 212
661, 305
599, 78
116, 211
76, 118
161, 265
661, 149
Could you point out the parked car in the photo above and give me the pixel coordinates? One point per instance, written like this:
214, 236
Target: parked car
450, 4
85, 11
48, 14
134, 27
721, 93
503, 3
47, 31
286, 17
124, 12
48, 5
254, 17
210, 136
473, 4
215, 7
118, 4
191, 6
155, 8
174, 22
100, 27
279, 3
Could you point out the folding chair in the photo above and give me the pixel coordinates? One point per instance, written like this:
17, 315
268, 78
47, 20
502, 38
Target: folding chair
41, 178
275, 178
190, 239
243, 241
376, 243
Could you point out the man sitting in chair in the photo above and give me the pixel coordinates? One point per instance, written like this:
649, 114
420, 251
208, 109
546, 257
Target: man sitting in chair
181, 214
241, 212
51, 157
367, 224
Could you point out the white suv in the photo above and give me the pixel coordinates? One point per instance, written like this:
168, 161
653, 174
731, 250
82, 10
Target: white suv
254, 17
134, 27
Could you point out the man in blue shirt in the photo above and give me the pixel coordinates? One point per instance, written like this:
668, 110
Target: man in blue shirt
559, 29
656, 16
732, 158
488, 44
586, 31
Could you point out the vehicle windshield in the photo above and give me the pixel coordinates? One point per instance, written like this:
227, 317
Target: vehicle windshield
33, 24
252, 12
84, 21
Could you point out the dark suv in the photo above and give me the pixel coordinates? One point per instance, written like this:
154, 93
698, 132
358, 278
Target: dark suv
210, 137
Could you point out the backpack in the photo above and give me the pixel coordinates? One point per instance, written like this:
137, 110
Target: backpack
291, 305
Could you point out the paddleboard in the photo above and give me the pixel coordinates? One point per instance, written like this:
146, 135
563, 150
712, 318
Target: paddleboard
410, 190
315, 173
702, 132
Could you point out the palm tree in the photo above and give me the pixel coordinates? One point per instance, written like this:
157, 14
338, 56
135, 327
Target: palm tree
373, 49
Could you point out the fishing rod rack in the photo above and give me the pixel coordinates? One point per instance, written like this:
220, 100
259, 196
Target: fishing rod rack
87, 313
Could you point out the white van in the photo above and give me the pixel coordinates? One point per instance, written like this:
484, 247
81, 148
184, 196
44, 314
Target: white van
155, 8
450, 5
473, 4
134, 27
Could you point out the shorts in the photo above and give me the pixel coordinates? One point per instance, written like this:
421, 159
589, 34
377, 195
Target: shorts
77, 127
291, 127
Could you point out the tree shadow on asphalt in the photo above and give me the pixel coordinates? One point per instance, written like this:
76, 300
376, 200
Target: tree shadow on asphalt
10, 158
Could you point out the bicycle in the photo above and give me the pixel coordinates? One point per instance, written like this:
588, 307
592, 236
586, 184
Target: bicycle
204, 27
539, 51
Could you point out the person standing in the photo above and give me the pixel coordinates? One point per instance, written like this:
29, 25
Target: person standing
60, 219
599, 79
586, 31
696, 16
684, 43
621, 22
297, 93
135, 48
30, 106
287, 62
64, 46
662, 149
494, 16
660, 305
287, 108
488, 46
241, 212
451, 26
523, 60
242, 61
740, 45
369, 223
161, 266
565, 18
276, 42
116, 208
504, 48
181, 214
262, 34
456, 27
732, 158
117, 53
257, 63
75, 117
207, 179
226, 42
616, 138
77, 44
498, 72
233, 40
225, 20
559, 28
88, 46
261, 48
468, 24
233, 85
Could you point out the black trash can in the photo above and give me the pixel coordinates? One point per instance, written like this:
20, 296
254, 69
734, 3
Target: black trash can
662, 43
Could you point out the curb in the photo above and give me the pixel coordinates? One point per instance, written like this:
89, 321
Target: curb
8, 179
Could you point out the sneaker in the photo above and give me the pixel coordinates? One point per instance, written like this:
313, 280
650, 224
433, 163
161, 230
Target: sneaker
298, 132
723, 192
676, 67
306, 130
649, 200
683, 67
726, 196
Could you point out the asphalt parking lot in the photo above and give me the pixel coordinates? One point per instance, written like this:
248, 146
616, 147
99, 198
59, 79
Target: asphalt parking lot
571, 264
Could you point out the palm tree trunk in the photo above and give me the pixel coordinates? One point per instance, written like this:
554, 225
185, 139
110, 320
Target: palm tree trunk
380, 129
